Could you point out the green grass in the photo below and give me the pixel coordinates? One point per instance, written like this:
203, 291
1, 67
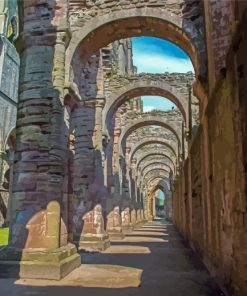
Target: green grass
4, 236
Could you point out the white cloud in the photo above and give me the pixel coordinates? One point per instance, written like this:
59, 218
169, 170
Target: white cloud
148, 108
160, 63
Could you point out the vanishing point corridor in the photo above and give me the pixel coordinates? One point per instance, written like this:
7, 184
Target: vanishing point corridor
151, 260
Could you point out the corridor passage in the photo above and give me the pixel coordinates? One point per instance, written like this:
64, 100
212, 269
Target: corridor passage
151, 260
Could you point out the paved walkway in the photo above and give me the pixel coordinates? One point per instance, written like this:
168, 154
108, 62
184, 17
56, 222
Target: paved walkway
151, 261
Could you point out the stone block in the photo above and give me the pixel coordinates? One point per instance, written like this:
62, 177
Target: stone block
94, 243
116, 235
51, 264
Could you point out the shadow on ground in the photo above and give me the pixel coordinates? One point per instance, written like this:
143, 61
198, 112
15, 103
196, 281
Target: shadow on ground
167, 267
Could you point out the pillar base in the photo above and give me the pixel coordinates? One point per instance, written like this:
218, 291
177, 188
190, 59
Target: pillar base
116, 233
139, 224
50, 264
127, 228
92, 243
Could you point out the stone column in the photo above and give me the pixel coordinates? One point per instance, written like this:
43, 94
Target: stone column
114, 224
2, 153
143, 215
150, 209
93, 236
11, 168
125, 217
38, 227
169, 209
133, 219
138, 216
4, 194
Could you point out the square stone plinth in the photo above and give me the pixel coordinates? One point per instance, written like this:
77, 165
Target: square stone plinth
94, 243
127, 228
139, 224
116, 234
52, 264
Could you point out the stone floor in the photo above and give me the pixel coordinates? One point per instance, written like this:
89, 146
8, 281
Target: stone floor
153, 260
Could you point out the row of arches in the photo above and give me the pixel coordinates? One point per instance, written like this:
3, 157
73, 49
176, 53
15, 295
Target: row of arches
90, 116
78, 148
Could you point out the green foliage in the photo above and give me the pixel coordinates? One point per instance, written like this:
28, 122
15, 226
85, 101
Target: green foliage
4, 236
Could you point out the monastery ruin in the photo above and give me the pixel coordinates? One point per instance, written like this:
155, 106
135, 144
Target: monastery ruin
81, 162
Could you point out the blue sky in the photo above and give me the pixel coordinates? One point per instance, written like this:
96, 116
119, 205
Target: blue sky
161, 195
154, 55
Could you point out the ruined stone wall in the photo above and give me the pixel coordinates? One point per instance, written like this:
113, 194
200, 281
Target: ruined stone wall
217, 188
177, 83
9, 79
184, 14
215, 171
196, 194
150, 131
178, 80
91, 156
219, 26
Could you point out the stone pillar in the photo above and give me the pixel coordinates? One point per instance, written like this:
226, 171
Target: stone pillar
130, 57
150, 209
97, 140
139, 219
169, 209
143, 215
133, 219
93, 236
2, 170
125, 217
38, 219
139, 215
11, 168
114, 224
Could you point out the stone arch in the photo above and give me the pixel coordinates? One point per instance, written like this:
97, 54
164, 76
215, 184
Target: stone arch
159, 183
141, 87
150, 186
159, 175
13, 29
152, 140
166, 173
170, 159
150, 120
10, 139
101, 30
158, 179
154, 153
158, 164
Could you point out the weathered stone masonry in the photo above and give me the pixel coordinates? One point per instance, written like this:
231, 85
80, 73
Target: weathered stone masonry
78, 175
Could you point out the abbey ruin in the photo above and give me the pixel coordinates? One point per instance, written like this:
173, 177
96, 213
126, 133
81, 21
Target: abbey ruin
80, 160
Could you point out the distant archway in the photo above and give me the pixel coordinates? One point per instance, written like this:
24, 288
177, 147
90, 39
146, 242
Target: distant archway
149, 120
141, 87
